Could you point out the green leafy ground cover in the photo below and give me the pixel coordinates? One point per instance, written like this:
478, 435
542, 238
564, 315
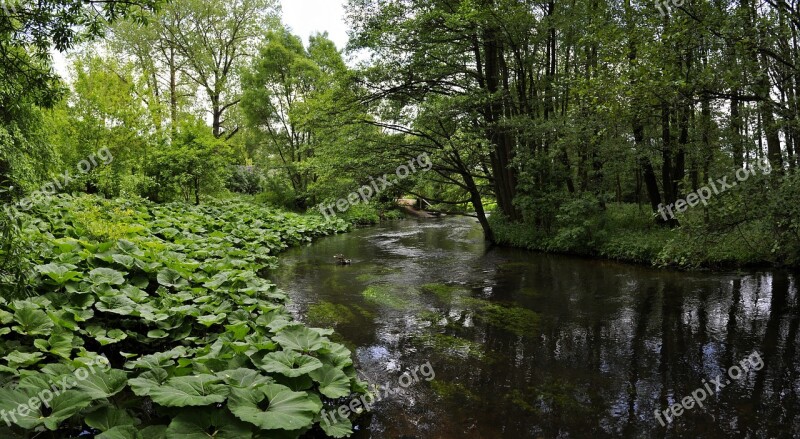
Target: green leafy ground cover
199, 345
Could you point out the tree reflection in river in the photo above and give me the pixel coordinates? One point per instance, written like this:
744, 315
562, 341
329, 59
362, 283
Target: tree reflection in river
531, 345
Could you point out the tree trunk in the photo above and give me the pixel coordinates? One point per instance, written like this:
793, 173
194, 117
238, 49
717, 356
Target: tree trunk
505, 179
666, 154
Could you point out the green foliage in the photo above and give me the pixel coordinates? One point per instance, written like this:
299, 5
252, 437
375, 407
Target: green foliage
362, 214
196, 163
278, 192
245, 180
305, 122
275, 90
577, 221
171, 296
13, 265
629, 233
28, 31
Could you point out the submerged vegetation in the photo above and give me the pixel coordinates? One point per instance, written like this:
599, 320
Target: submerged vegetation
386, 296
329, 314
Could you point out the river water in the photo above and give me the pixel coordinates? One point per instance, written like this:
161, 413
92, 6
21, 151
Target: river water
526, 345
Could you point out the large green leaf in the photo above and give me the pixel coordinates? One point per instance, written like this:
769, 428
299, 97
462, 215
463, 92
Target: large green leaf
32, 321
171, 278
339, 429
336, 355
120, 432
59, 273
208, 423
111, 337
124, 260
159, 359
211, 320
23, 359
144, 383
103, 383
154, 432
60, 343
244, 378
274, 407
116, 304
300, 338
108, 417
106, 276
11, 400
333, 383
64, 406
128, 247
190, 391
5, 317
288, 363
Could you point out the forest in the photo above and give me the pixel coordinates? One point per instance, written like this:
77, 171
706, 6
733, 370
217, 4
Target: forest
148, 191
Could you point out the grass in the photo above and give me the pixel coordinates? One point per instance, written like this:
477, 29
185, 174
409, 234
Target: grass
626, 233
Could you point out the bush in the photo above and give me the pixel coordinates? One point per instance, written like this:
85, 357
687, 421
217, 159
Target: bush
136, 185
622, 232
362, 215
13, 266
579, 225
277, 193
244, 180
393, 214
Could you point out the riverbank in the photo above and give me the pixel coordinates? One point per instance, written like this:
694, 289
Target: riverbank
169, 297
626, 233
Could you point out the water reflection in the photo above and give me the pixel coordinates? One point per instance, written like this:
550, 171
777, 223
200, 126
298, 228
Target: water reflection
530, 345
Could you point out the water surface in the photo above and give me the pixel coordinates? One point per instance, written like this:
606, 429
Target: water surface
526, 345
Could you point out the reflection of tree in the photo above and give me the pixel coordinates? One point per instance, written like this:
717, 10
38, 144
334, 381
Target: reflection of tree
733, 312
673, 346
791, 375
641, 319
769, 351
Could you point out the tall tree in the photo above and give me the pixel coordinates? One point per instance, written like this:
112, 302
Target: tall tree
28, 31
215, 38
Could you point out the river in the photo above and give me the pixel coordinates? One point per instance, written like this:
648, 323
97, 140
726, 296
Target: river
527, 345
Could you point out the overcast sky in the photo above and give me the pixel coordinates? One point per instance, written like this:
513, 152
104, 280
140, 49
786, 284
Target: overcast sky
304, 17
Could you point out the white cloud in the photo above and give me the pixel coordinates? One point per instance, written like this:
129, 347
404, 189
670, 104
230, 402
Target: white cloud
307, 17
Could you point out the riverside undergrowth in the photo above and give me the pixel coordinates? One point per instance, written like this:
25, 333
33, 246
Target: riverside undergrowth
199, 346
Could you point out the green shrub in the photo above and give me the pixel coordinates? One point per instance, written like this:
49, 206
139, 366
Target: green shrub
362, 215
244, 180
393, 214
